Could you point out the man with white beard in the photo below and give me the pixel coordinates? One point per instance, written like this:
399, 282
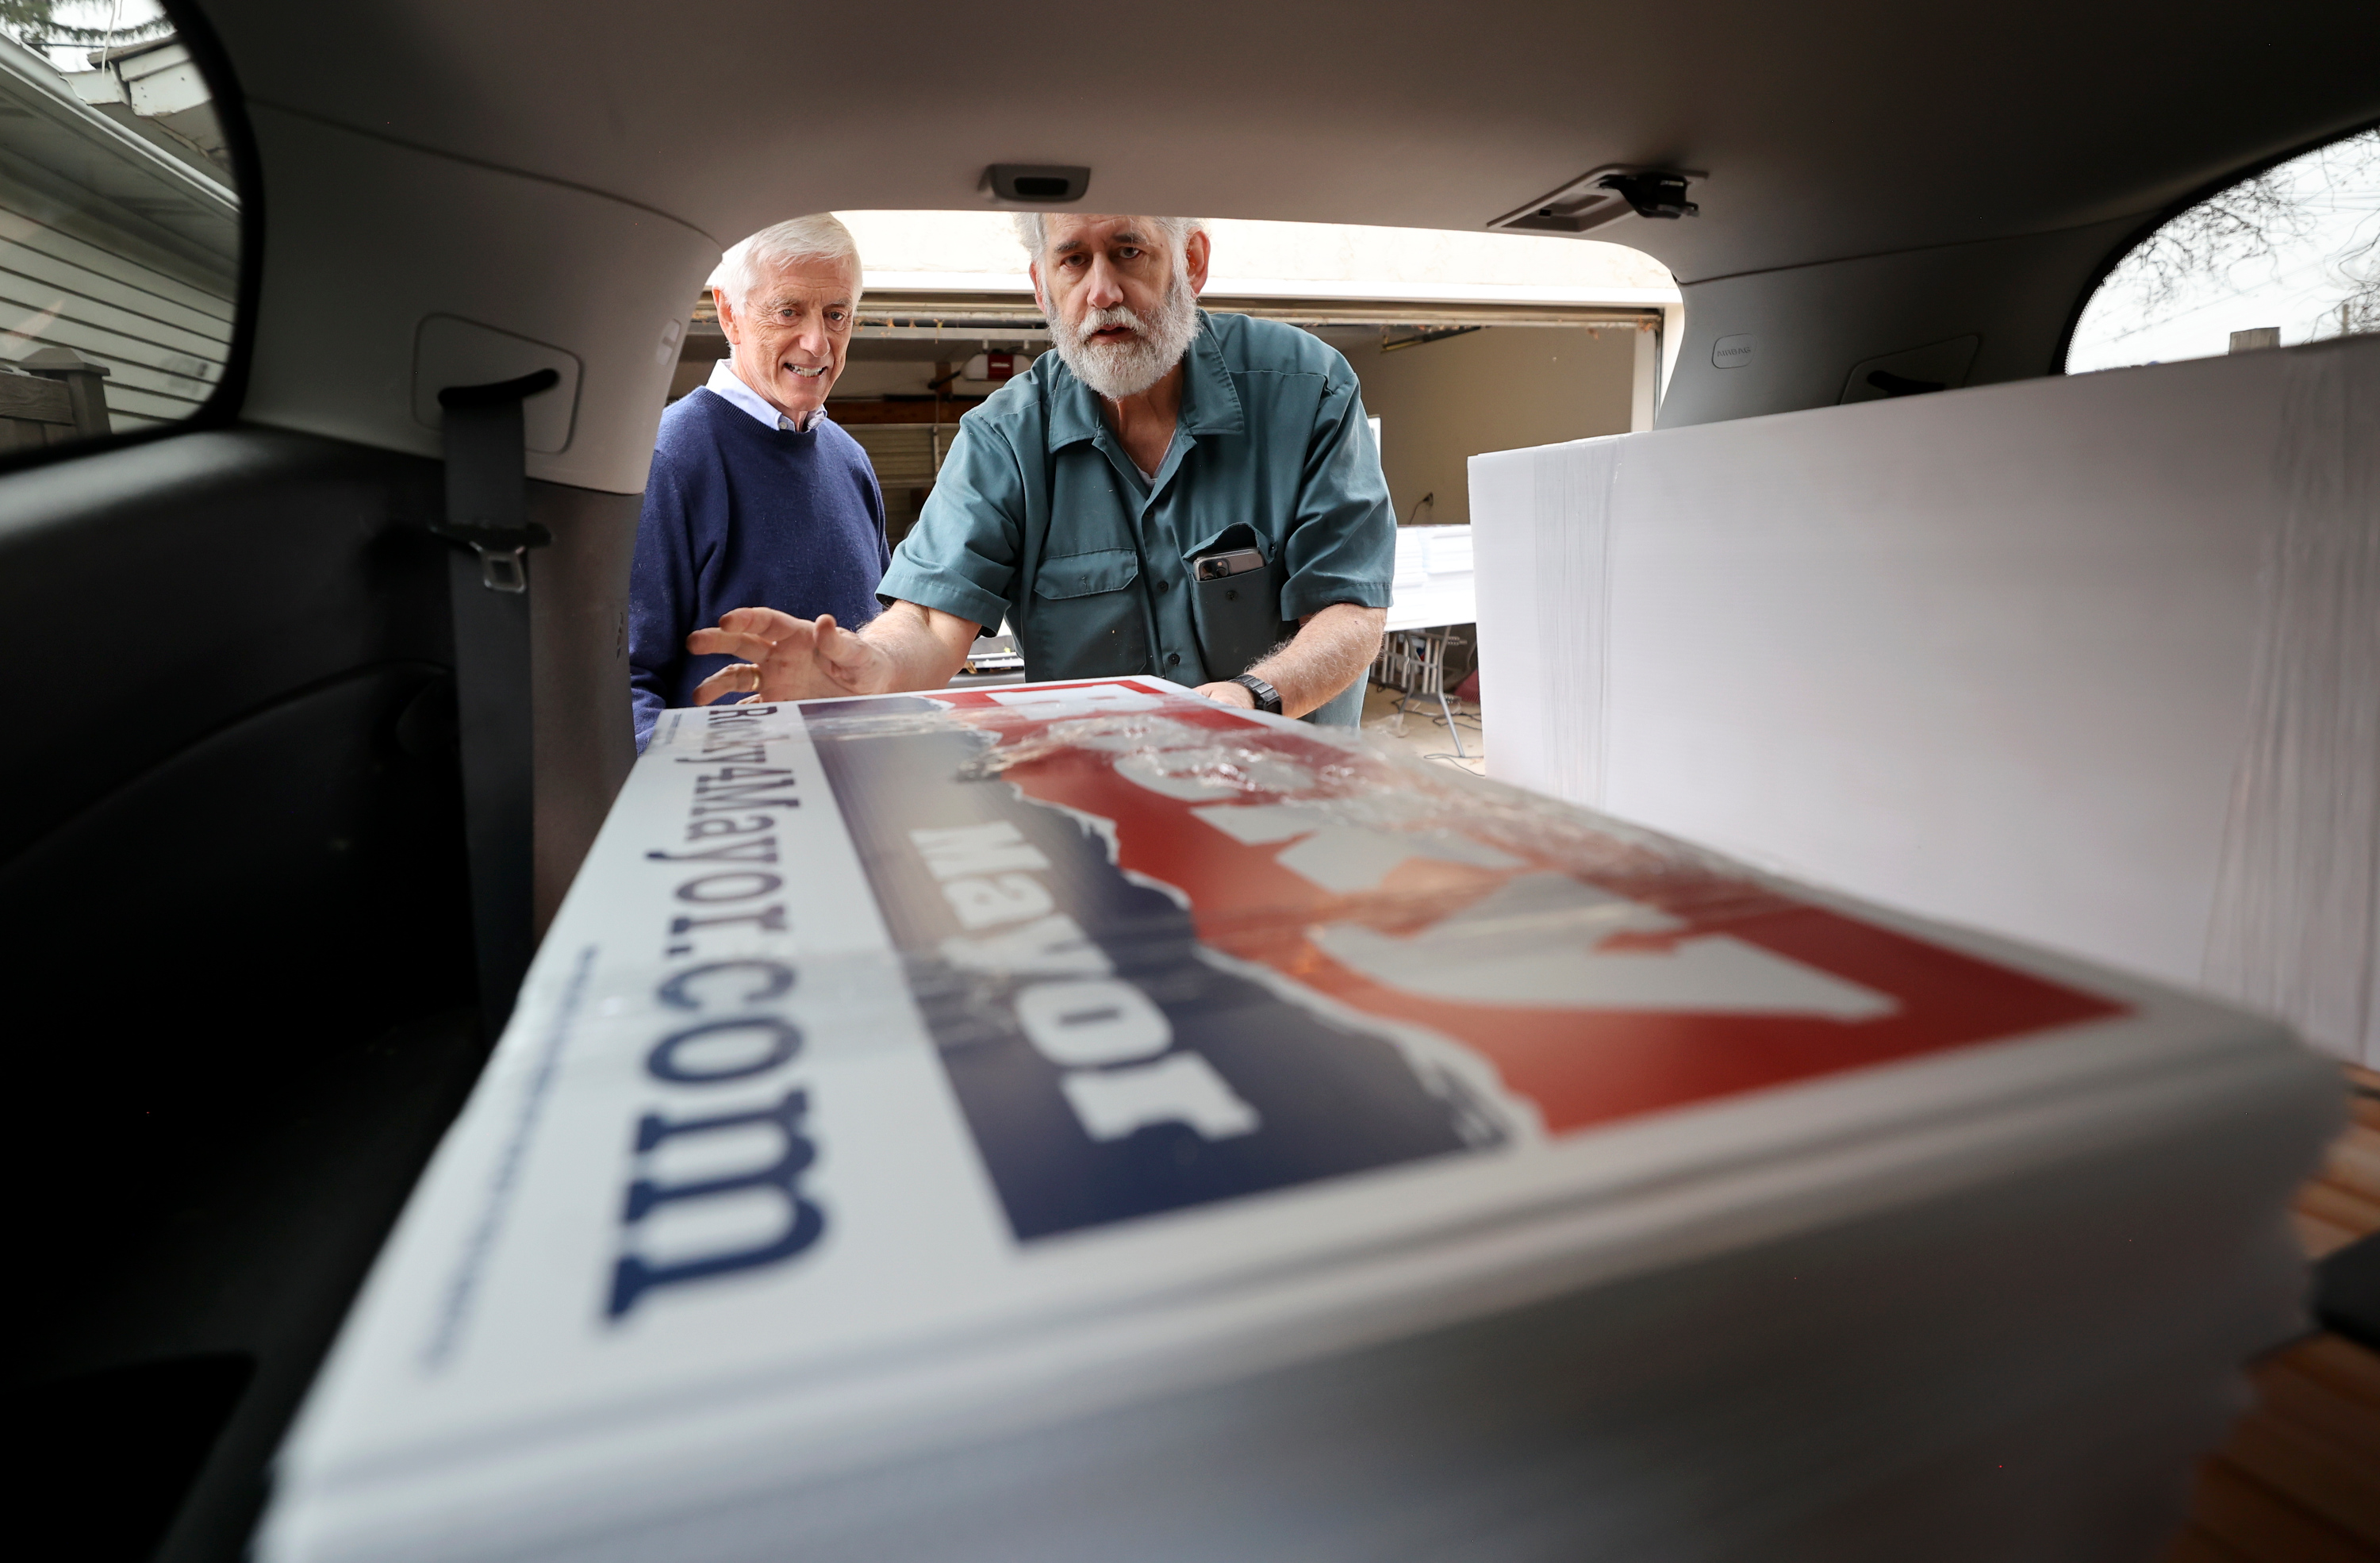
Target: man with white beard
1172, 492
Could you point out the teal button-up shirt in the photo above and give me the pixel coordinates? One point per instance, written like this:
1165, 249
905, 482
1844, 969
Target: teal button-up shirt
1040, 517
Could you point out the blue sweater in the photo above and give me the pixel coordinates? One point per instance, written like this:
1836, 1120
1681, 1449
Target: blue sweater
738, 514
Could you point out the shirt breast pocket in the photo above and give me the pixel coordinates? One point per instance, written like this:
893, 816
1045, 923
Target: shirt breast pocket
1089, 620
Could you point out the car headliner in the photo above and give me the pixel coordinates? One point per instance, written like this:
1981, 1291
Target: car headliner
1850, 127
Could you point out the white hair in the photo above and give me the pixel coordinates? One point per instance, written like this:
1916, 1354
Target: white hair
1034, 233
818, 236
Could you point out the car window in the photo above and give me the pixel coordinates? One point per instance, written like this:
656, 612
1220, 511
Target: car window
2291, 255
119, 225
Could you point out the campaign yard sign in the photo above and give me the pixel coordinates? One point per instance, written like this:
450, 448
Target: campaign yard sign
899, 1068
1169, 954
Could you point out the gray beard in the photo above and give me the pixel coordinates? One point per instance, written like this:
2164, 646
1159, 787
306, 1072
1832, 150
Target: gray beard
1131, 367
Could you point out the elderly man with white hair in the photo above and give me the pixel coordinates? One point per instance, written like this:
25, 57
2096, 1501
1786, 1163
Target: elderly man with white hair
755, 496
1195, 496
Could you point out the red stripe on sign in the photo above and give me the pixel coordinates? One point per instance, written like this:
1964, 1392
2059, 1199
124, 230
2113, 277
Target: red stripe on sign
1795, 990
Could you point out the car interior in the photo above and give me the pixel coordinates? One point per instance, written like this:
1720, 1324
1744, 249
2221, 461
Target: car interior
234, 877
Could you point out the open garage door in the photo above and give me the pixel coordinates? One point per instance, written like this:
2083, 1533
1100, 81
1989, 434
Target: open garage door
1463, 343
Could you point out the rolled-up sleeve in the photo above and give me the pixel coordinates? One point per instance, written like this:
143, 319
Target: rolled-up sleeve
1343, 546
962, 556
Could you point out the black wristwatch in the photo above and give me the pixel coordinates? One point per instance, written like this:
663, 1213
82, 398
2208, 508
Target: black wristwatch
1268, 697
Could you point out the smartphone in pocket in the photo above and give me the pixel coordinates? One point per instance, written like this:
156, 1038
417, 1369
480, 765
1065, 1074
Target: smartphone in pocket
1218, 566
1236, 609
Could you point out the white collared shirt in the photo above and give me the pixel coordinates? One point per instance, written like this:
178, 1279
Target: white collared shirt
725, 381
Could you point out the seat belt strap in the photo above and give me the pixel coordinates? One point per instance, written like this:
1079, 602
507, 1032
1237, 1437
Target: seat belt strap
487, 577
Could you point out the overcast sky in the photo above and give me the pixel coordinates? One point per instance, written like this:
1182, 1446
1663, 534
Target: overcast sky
97, 14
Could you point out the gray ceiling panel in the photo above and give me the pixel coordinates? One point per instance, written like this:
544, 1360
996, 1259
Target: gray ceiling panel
1828, 130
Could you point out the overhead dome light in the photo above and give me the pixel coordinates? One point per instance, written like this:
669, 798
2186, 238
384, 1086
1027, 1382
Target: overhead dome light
1033, 184
1605, 195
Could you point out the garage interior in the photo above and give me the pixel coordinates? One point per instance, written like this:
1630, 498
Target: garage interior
1444, 382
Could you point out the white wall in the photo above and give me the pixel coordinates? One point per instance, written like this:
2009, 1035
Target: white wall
1441, 403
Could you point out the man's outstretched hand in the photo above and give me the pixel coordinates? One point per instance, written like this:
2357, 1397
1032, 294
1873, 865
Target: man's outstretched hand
782, 658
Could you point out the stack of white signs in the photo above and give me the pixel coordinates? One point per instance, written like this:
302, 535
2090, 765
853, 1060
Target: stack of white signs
1080, 1121
2088, 659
